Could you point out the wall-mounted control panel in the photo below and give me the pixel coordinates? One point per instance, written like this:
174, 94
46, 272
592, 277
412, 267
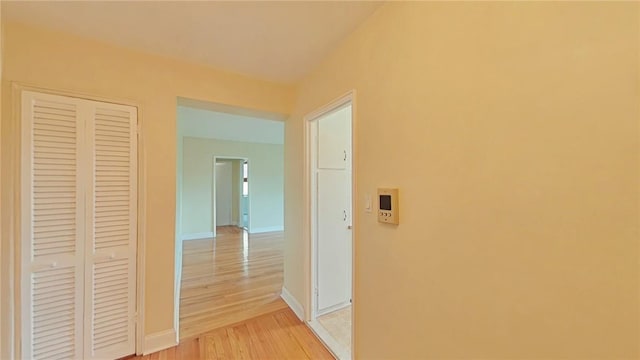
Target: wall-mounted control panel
388, 206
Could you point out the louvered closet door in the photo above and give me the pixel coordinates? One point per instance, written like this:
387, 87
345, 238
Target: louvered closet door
52, 225
111, 252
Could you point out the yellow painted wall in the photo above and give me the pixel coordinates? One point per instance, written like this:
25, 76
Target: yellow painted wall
511, 130
63, 62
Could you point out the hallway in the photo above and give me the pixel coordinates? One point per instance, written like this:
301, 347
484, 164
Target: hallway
231, 278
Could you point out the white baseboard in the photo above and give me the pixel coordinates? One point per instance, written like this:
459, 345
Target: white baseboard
159, 341
333, 308
293, 303
266, 229
195, 236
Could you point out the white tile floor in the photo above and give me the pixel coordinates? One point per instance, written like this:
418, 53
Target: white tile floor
338, 325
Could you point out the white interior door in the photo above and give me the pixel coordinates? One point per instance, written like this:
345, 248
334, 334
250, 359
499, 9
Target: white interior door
78, 286
224, 180
333, 221
110, 286
334, 240
52, 228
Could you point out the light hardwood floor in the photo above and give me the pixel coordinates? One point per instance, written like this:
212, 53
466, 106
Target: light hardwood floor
278, 335
230, 306
231, 278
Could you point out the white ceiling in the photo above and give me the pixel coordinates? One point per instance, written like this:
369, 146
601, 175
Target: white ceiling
200, 123
279, 41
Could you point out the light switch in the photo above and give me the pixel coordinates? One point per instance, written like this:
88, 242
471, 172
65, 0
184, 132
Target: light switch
367, 203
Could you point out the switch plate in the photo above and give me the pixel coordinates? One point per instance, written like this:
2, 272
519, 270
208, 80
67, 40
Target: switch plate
367, 203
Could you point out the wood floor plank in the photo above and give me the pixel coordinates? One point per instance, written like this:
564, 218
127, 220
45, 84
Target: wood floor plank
262, 338
170, 354
189, 349
252, 347
222, 348
303, 335
281, 336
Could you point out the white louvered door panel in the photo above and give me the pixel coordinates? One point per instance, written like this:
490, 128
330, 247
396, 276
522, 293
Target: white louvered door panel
111, 252
52, 244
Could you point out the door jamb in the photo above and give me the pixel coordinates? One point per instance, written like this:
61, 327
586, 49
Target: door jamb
310, 188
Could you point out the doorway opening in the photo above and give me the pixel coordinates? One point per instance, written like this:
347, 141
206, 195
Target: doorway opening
331, 185
231, 194
229, 216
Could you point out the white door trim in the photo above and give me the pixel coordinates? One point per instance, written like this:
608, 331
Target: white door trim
11, 220
310, 188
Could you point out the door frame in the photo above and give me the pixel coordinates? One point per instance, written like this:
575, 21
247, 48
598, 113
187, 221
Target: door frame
213, 192
311, 209
11, 244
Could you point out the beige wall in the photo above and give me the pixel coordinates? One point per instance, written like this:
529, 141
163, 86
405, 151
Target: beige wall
511, 130
266, 181
63, 62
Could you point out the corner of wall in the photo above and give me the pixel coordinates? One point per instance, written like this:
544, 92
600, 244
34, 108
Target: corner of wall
293, 303
160, 340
